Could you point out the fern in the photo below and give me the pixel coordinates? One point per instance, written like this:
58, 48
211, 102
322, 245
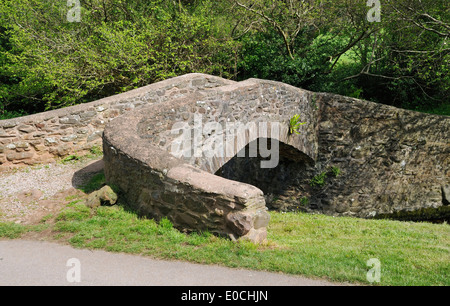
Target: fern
294, 124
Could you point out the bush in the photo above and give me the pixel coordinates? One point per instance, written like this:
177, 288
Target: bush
48, 62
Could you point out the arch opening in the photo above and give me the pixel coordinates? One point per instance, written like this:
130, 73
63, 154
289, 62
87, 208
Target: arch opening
284, 186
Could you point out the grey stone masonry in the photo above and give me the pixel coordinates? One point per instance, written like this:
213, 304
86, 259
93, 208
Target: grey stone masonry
76, 129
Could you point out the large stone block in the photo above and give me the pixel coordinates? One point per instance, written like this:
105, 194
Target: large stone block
26, 128
19, 156
70, 119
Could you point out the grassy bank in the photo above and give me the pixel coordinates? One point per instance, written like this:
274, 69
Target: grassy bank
311, 245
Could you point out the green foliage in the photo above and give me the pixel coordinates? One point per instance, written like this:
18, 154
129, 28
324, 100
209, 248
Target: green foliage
318, 180
164, 226
262, 58
335, 170
401, 61
443, 109
95, 183
294, 124
12, 230
47, 62
70, 158
6, 114
96, 150
74, 212
304, 201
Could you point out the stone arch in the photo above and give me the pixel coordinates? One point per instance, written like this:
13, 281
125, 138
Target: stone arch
164, 157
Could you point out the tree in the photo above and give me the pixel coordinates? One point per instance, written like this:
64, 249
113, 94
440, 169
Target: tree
288, 18
408, 58
298, 42
333, 46
116, 46
48, 62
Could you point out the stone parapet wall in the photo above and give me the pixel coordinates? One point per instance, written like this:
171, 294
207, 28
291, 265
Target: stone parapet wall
261, 108
390, 159
192, 199
47, 136
373, 160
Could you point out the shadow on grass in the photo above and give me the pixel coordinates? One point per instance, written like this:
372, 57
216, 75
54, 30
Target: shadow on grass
92, 178
89, 178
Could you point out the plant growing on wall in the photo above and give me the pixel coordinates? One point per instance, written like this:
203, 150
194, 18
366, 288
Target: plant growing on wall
294, 124
336, 171
304, 201
318, 180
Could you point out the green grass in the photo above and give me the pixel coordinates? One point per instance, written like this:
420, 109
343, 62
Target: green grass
12, 230
70, 158
310, 245
410, 253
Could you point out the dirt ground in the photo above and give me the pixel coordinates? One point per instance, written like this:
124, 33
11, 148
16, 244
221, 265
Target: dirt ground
28, 194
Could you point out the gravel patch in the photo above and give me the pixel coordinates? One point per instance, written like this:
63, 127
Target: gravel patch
24, 191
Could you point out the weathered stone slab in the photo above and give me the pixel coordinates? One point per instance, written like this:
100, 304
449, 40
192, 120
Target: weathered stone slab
19, 156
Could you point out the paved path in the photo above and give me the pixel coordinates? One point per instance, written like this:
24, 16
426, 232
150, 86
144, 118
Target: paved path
37, 263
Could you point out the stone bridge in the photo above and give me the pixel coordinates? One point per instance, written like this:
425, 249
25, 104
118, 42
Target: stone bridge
215, 159
165, 156
213, 154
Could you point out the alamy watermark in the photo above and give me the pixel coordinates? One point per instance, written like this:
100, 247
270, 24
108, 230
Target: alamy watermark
73, 275
374, 274
374, 14
74, 12
212, 139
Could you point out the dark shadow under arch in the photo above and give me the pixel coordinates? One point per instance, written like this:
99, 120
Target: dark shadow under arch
281, 185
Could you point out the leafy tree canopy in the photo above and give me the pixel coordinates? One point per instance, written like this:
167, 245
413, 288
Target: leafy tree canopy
48, 62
